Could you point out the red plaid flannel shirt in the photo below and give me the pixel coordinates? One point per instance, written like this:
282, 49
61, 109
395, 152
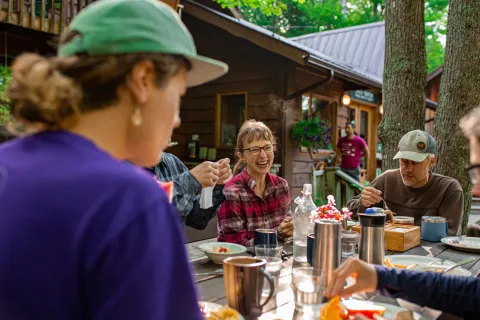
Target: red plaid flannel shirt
244, 210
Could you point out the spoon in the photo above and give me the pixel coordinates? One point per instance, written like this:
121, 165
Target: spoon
441, 261
461, 263
458, 239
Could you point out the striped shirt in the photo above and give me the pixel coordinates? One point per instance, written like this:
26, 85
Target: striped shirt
244, 210
187, 191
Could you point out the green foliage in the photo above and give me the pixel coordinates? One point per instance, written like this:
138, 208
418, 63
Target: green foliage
294, 18
5, 77
435, 32
266, 7
313, 133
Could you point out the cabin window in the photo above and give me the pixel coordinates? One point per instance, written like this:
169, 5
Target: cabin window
316, 106
231, 114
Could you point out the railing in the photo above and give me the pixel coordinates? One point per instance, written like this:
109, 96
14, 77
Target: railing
44, 15
332, 181
47, 15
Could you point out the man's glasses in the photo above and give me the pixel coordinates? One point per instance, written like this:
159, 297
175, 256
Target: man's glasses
255, 151
473, 173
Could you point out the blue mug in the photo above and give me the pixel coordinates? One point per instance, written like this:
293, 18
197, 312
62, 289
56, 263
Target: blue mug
434, 228
310, 245
265, 236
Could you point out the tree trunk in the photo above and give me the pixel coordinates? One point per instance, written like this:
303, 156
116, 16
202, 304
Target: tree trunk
404, 77
459, 92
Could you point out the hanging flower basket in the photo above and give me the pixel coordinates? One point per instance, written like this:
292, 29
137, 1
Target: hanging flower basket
312, 134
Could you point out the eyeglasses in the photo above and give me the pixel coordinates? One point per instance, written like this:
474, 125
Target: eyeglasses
473, 173
255, 151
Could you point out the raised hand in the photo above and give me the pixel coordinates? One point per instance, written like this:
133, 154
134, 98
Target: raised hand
206, 173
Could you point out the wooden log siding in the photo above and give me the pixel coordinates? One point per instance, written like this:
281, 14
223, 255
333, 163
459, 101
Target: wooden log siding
50, 16
252, 69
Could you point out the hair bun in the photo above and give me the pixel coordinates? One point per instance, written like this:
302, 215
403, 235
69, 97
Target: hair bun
40, 93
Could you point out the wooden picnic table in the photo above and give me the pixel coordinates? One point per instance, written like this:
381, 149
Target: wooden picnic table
210, 283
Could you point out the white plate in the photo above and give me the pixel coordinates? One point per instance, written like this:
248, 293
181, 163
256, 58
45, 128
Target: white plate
211, 306
455, 272
390, 311
420, 261
470, 244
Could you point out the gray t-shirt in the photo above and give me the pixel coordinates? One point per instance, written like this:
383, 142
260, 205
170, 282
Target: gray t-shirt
441, 196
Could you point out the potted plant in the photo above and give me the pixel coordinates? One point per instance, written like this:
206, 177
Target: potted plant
313, 134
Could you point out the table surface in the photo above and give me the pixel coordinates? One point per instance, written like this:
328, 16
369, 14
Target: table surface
210, 285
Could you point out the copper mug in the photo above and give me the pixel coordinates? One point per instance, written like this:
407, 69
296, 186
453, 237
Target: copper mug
243, 277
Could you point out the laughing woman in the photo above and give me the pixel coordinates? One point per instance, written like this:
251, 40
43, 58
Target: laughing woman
255, 199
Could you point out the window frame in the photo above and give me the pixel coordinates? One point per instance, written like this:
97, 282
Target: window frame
218, 115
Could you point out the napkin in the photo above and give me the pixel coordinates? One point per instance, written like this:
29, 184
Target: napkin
206, 198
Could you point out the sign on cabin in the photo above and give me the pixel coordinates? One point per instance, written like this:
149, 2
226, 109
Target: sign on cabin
364, 95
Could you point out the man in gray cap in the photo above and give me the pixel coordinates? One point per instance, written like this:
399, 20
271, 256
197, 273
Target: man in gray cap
413, 190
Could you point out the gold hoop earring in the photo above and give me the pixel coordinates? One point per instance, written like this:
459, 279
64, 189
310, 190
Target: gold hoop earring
137, 117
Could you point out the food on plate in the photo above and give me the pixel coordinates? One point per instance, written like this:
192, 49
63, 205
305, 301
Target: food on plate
220, 250
404, 315
365, 308
389, 264
333, 310
337, 309
223, 313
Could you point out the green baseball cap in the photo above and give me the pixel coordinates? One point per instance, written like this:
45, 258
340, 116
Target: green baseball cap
138, 26
416, 145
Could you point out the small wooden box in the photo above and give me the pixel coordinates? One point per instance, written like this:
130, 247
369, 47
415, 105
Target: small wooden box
399, 237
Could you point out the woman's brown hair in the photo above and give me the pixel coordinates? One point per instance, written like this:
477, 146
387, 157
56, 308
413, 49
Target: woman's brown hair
250, 130
48, 92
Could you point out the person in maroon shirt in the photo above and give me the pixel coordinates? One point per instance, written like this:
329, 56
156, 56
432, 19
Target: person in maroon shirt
350, 149
255, 198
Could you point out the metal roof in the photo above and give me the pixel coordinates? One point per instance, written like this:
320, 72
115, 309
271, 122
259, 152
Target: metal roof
362, 48
311, 55
432, 75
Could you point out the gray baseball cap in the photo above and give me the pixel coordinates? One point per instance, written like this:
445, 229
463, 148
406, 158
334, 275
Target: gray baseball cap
416, 145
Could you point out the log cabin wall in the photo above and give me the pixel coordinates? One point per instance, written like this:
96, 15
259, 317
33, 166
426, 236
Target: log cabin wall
433, 93
253, 70
302, 162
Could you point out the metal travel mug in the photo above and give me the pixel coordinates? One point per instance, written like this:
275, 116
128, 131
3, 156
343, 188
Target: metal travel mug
327, 251
372, 241
243, 277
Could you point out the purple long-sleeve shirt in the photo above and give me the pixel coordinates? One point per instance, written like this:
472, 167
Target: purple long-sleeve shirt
83, 236
456, 295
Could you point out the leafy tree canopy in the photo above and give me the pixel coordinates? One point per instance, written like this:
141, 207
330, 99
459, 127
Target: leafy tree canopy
297, 17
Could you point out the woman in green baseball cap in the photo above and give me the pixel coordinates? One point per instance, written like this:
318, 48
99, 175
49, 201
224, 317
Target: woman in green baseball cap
83, 236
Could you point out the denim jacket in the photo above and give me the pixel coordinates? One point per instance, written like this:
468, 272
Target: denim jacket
187, 191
